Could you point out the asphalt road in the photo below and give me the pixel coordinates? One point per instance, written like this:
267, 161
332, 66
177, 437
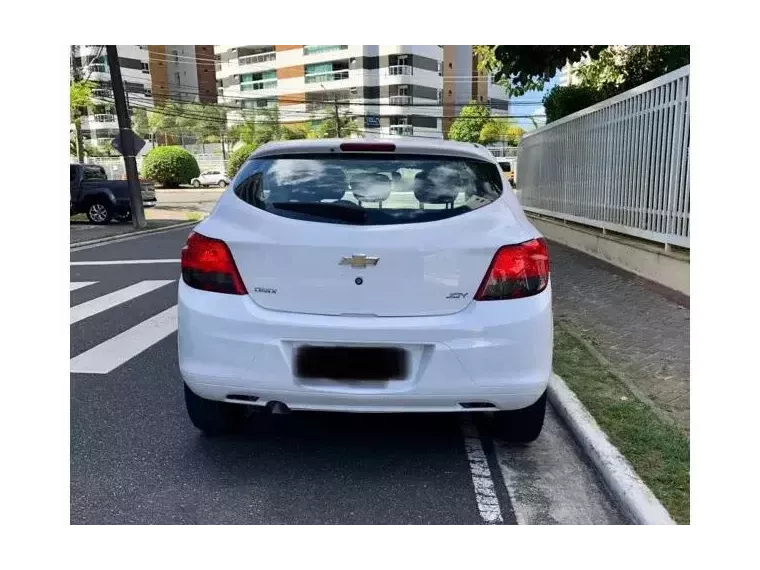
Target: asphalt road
136, 458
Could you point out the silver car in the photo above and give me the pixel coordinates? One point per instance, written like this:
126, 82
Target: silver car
210, 178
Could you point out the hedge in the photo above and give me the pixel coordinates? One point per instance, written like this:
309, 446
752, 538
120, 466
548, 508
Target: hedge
238, 157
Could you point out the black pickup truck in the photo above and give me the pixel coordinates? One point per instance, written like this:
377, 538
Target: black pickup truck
92, 193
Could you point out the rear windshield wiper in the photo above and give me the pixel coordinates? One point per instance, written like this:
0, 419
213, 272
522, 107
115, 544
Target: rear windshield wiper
343, 211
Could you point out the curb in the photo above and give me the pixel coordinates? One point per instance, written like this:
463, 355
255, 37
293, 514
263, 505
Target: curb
636, 499
122, 237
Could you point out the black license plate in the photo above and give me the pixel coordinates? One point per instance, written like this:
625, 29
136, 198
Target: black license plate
351, 363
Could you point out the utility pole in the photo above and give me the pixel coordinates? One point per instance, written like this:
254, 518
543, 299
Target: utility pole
126, 136
337, 117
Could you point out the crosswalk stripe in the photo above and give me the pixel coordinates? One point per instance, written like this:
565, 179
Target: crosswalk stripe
117, 350
124, 262
105, 302
74, 285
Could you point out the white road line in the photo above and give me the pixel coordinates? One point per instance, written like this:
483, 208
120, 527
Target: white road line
74, 285
106, 302
117, 350
123, 262
485, 493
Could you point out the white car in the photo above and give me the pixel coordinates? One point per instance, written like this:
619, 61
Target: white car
433, 295
210, 178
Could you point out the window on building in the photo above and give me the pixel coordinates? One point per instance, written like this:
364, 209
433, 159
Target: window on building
310, 50
145, 67
440, 96
256, 81
330, 71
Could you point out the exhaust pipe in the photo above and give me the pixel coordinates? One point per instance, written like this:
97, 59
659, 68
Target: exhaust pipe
278, 408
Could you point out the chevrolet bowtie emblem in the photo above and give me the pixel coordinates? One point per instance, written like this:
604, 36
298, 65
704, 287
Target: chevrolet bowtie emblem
359, 261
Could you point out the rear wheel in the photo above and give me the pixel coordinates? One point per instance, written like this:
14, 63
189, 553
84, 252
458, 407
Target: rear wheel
196, 183
222, 183
521, 426
211, 417
100, 212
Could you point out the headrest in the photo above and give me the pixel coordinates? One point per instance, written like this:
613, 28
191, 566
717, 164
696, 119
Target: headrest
371, 187
441, 185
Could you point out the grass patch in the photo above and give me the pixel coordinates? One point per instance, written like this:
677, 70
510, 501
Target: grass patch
194, 216
658, 451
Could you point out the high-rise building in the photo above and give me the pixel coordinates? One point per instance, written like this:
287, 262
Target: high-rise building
183, 73
99, 126
391, 90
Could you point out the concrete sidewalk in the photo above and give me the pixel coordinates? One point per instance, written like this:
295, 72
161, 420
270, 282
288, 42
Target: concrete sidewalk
641, 328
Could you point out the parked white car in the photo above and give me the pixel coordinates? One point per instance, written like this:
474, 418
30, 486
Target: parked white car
432, 295
211, 178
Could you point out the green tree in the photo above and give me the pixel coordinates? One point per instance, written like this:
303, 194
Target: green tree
204, 121
617, 69
100, 150
562, 101
529, 67
238, 157
327, 128
80, 99
470, 122
140, 123
501, 130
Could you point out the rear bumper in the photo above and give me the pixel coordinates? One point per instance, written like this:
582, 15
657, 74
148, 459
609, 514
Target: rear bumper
496, 352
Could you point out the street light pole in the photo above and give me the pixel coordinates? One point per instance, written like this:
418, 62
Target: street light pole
126, 138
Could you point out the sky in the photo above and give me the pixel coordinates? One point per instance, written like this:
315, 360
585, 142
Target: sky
531, 109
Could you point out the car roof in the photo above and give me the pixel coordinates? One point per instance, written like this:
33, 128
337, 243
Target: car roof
407, 145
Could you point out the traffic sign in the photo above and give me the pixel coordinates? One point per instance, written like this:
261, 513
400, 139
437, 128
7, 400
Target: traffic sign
137, 142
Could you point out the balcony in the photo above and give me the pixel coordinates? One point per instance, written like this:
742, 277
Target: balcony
402, 130
260, 84
400, 100
400, 70
330, 76
96, 68
257, 58
103, 118
311, 50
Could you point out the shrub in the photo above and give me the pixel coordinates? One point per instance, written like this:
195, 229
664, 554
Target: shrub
562, 101
238, 157
170, 166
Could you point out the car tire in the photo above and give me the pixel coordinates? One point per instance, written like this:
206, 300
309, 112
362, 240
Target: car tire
100, 212
196, 183
211, 417
521, 426
222, 184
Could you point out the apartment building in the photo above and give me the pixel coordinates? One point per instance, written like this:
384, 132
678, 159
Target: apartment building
152, 75
391, 90
99, 126
182, 73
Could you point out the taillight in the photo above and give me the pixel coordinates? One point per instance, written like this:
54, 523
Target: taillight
516, 271
207, 264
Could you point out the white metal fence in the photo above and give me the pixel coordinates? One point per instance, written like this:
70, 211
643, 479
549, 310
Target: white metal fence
114, 165
621, 165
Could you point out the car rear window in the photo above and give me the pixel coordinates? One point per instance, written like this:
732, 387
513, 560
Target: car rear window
94, 173
368, 189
